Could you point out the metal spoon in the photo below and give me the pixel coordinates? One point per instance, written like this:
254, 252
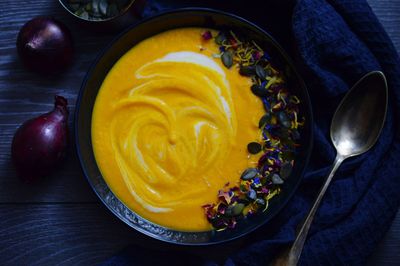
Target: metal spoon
356, 126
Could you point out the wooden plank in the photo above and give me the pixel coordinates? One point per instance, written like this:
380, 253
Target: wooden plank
76, 234
24, 94
87, 234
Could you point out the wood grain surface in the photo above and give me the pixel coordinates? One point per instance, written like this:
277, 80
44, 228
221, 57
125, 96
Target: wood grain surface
25, 94
60, 220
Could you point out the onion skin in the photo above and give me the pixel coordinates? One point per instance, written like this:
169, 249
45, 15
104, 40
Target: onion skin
45, 45
39, 145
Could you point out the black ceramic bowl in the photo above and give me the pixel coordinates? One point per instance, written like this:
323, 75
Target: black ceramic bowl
166, 21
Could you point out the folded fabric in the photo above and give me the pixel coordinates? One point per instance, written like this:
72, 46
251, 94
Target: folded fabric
334, 42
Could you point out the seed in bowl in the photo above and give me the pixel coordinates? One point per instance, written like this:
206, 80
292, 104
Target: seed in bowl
98, 9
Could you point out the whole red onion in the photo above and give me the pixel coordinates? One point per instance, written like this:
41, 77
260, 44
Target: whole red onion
45, 45
39, 145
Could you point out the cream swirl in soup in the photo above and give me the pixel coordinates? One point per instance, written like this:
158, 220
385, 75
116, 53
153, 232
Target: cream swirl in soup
174, 125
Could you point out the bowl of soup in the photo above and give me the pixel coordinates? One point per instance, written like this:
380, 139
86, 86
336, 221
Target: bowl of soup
194, 127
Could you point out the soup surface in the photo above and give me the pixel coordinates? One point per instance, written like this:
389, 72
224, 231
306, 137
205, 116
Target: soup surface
170, 128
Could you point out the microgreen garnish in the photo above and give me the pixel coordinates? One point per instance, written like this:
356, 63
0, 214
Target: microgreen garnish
279, 130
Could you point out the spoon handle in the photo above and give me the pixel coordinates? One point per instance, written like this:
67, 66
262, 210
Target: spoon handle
295, 251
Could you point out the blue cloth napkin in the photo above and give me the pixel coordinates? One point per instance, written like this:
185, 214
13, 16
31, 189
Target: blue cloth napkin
334, 42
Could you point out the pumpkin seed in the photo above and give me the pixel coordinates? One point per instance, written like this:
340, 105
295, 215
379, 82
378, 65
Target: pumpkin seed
254, 147
249, 173
220, 38
260, 71
88, 7
247, 70
258, 90
234, 210
103, 6
84, 15
227, 59
95, 7
252, 194
265, 119
284, 119
277, 180
79, 12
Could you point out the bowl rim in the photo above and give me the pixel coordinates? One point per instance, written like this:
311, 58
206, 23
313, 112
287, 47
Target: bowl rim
64, 5
307, 107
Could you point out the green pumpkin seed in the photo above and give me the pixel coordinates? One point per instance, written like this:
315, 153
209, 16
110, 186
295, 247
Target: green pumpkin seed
235, 210
258, 90
247, 71
260, 71
84, 15
79, 12
227, 59
254, 147
95, 7
249, 174
265, 119
252, 194
284, 119
88, 7
277, 180
103, 6
220, 38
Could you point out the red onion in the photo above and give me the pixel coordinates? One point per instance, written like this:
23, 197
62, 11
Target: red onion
39, 145
45, 45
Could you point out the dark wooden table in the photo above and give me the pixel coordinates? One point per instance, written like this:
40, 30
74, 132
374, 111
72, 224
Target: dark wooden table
60, 220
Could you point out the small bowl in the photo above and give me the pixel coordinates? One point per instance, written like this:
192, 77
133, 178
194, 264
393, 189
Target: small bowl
188, 17
128, 16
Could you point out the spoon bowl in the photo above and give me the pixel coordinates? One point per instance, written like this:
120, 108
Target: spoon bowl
358, 120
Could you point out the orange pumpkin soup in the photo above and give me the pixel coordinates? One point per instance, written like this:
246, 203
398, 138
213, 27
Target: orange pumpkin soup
170, 128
